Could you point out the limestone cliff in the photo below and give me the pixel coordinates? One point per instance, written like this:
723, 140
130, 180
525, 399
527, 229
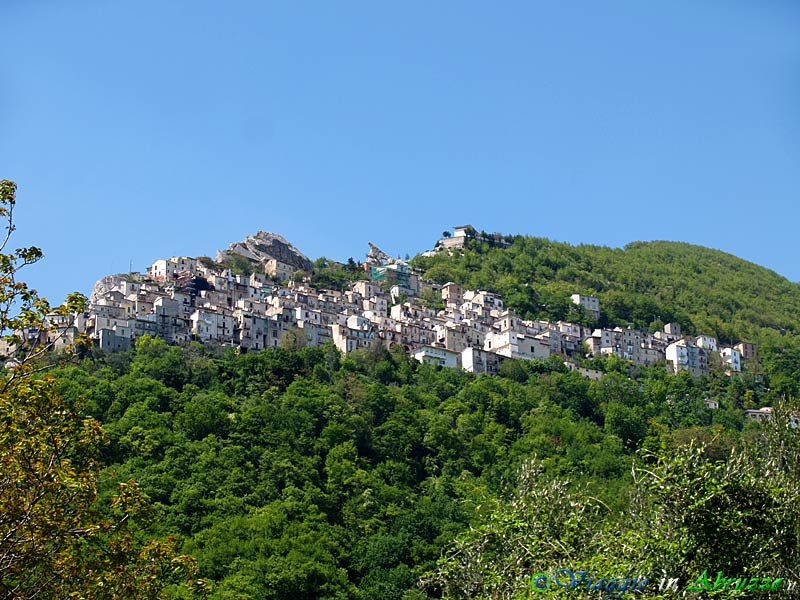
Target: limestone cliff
264, 246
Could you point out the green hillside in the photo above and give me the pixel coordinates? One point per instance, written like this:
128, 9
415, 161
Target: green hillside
646, 284
300, 475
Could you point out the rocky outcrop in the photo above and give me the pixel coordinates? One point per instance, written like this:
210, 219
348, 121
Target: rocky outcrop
107, 284
264, 246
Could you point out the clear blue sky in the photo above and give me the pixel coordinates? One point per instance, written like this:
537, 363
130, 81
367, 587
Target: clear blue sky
141, 130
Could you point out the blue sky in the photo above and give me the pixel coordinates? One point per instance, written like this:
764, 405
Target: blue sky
140, 130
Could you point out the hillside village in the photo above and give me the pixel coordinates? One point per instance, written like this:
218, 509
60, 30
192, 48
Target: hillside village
181, 299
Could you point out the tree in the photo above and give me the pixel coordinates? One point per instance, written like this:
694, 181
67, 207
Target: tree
685, 502
537, 524
690, 519
294, 340
57, 538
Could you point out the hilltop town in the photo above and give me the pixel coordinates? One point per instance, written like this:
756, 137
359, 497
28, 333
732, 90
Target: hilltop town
183, 299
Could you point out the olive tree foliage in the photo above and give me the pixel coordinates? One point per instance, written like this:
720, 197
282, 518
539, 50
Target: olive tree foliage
58, 539
687, 515
738, 516
539, 525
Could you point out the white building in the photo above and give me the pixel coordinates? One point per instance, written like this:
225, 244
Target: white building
590, 303
348, 339
479, 361
759, 414
591, 374
707, 342
516, 345
210, 325
732, 359
441, 357
278, 269
162, 270
685, 356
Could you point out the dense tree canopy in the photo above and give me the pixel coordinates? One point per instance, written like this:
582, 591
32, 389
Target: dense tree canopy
305, 474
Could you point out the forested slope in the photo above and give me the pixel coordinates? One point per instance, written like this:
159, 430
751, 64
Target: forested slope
646, 284
308, 475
